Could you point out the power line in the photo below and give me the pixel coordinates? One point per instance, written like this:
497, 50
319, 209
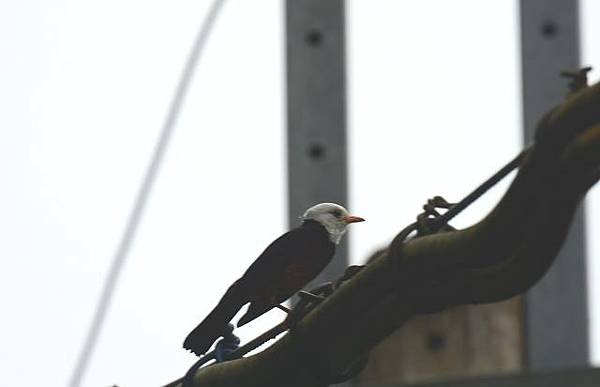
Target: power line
143, 193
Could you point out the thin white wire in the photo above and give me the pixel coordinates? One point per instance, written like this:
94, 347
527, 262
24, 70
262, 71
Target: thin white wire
143, 193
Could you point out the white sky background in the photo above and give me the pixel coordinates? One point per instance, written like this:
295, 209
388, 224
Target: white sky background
590, 52
84, 87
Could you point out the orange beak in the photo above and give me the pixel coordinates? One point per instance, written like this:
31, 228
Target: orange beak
352, 219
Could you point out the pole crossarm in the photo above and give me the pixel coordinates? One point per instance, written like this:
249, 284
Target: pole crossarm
500, 257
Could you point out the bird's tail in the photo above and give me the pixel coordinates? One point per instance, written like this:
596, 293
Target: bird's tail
215, 324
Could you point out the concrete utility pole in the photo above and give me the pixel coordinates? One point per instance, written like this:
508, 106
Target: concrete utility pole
316, 111
549, 45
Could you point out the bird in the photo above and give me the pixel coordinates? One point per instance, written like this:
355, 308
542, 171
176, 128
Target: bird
282, 269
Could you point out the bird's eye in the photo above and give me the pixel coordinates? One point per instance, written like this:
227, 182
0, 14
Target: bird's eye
336, 213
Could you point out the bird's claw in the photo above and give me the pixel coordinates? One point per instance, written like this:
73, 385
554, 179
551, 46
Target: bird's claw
308, 300
294, 316
306, 303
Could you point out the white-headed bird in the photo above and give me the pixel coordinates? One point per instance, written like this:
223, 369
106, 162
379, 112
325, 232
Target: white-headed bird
285, 267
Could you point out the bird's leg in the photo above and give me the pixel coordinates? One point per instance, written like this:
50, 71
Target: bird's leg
294, 315
306, 303
308, 300
284, 308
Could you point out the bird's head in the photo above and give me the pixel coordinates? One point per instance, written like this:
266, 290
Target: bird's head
333, 217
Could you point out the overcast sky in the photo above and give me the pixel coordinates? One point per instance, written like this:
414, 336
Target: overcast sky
84, 88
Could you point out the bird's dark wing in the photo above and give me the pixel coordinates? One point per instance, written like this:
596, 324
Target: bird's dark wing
286, 265
304, 246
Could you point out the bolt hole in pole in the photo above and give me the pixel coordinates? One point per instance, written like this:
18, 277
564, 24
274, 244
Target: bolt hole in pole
314, 37
549, 29
435, 342
316, 151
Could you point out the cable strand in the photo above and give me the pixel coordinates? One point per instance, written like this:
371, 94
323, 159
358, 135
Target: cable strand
143, 193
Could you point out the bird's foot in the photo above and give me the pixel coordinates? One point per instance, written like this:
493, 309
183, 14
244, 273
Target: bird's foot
308, 300
293, 318
296, 314
306, 303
